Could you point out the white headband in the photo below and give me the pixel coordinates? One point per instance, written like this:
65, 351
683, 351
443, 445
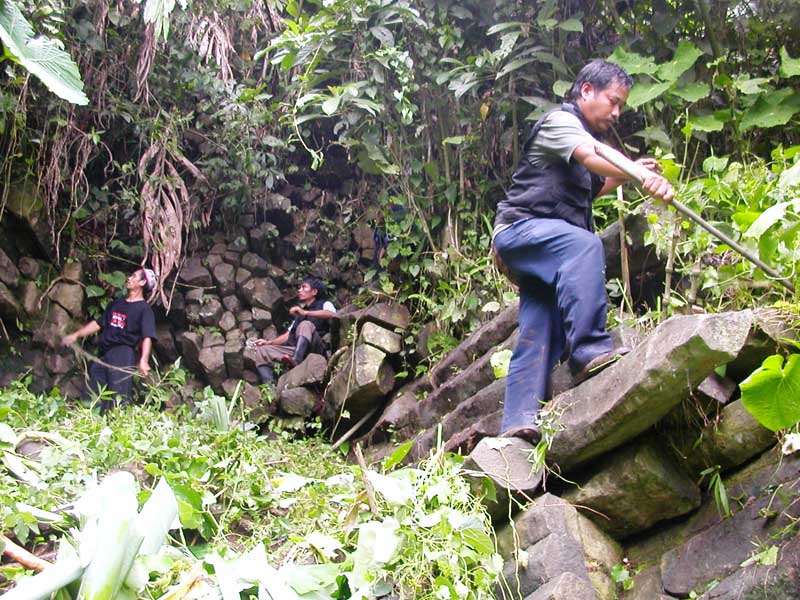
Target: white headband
150, 278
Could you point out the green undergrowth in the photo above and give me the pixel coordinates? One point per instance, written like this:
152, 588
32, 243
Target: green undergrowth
293, 508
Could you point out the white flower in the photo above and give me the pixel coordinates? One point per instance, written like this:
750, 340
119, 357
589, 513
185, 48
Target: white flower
791, 443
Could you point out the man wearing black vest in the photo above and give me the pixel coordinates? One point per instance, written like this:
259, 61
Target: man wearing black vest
543, 236
311, 322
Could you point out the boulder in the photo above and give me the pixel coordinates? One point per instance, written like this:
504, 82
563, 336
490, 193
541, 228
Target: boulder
505, 462
25, 203
359, 385
239, 242
191, 344
714, 547
479, 342
213, 338
30, 267
380, 337
310, 372
262, 237
255, 264
58, 362
634, 488
544, 562
10, 310
733, 440
9, 274
212, 260
261, 292
298, 401
212, 365
176, 312
165, 345
550, 515
225, 276
277, 209
463, 427
234, 356
210, 311
30, 298
232, 303
716, 390
565, 587
196, 295
232, 258
261, 318
193, 273
69, 296
390, 316
630, 396
193, 313
52, 328
647, 586
227, 322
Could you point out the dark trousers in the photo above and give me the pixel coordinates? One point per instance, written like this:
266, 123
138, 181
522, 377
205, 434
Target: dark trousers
561, 272
114, 380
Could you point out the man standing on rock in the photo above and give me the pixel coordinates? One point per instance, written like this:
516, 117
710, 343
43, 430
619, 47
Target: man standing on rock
124, 324
311, 322
543, 236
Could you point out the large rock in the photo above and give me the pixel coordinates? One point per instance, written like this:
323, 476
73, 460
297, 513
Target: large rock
380, 337
69, 296
635, 488
359, 385
551, 515
544, 562
460, 428
261, 292
566, 586
195, 274
191, 344
731, 441
298, 401
227, 322
52, 328
477, 344
9, 274
225, 276
310, 372
261, 318
780, 581
232, 303
31, 298
10, 310
255, 264
629, 397
212, 364
234, 356
504, 461
165, 345
30, 267
716, 547
390, 316
210, 311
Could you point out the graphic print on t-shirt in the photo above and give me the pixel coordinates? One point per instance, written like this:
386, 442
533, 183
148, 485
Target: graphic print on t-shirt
118, 319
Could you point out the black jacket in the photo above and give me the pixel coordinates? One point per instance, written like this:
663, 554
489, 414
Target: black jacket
558, 191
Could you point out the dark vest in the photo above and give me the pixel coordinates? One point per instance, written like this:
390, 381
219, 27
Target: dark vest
322, 325
557, 191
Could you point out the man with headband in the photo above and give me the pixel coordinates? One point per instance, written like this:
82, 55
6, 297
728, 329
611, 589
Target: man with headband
123, 325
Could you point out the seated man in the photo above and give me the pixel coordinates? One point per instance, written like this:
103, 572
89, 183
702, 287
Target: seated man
311, 322
125, 322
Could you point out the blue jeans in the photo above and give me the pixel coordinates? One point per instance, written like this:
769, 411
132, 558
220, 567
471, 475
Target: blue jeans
561, 272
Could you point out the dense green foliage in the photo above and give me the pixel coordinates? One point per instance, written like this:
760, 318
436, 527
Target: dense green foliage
238, 491
196, 109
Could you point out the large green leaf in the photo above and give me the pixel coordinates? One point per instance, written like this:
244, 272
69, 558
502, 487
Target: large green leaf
771, 111
692, 92
772, 393
645, 92
685, 56
707, 122
632, 62
790, 67
43, 57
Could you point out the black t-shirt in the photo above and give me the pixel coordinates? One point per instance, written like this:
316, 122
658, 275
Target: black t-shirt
126, 324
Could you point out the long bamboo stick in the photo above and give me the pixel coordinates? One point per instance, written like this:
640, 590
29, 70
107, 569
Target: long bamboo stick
628, 167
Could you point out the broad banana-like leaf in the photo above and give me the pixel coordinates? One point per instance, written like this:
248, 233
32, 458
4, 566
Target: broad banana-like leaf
42, 56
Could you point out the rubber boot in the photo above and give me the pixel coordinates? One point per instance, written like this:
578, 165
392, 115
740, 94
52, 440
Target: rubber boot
301, 350
266, 373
